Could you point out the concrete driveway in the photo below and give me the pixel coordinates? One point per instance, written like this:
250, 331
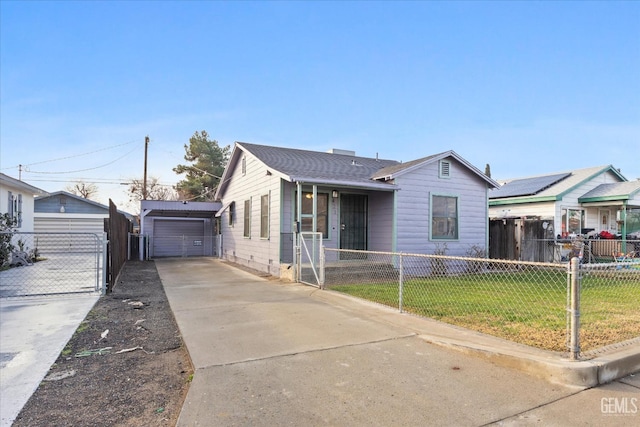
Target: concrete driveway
269, 353
33, 332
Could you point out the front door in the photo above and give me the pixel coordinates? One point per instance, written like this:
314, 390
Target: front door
605, 219
353, 221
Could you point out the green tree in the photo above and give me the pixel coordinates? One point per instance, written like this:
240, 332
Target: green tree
208, 161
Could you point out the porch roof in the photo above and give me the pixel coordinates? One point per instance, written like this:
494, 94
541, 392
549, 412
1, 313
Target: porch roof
616, 193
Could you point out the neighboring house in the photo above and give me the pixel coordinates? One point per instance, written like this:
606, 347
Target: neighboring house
583, 202
62, 212
16, 199
355, 202
178, 228
576, 202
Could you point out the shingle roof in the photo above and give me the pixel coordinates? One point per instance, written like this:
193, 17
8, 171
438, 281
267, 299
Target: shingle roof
345, 170
315, 166
560, 187
391, 170
621, 190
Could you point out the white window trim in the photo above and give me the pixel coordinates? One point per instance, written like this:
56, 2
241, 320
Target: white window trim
246, 232
268, 196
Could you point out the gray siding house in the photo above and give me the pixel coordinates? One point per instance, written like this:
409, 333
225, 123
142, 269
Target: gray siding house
360, 203
63, 212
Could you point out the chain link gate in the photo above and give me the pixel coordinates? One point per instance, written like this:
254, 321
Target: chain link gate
50, 263
310, 259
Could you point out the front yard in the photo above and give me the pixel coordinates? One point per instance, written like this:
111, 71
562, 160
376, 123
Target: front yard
524, 307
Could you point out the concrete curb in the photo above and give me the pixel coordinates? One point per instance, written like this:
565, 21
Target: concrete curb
543, 364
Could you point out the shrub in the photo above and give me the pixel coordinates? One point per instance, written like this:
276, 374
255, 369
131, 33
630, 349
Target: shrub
7, 225
439, 265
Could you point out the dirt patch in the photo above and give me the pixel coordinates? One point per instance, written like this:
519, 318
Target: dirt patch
126, 364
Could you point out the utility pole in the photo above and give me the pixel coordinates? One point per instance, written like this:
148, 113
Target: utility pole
144, 184
19, 172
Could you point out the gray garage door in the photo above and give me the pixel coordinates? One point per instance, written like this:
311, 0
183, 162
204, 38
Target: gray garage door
183, 238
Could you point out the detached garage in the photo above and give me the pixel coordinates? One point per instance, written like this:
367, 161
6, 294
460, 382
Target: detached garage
63, 212
179, 229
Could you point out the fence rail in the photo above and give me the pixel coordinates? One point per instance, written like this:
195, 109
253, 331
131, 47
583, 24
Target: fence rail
526, 302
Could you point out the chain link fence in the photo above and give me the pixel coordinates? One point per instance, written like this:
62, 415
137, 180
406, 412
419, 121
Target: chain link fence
182, 246
525, 302
309, 258
50, 263
609, 305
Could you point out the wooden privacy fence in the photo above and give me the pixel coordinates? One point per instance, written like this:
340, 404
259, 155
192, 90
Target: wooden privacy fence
518, 239
117, 228
503, 243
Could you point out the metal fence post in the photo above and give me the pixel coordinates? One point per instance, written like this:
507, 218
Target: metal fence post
322, 263
401, 278
298, 269
105, 262
575, 309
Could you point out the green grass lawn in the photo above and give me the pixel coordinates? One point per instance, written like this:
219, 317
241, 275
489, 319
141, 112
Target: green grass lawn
525, 307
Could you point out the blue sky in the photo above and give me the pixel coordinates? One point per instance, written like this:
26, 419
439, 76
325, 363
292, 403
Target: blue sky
528, 87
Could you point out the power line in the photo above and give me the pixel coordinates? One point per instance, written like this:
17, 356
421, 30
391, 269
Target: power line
83, 170
94, 181
73, 156
204, 171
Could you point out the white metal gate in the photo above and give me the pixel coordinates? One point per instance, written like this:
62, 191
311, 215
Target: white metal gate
51, 263
310, 259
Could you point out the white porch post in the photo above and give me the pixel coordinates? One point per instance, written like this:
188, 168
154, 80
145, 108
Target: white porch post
315, 208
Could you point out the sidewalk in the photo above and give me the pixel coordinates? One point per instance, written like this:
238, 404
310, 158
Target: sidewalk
33, 332
272, 353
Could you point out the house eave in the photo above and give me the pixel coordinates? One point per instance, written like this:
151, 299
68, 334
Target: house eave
593, 204
21, 185
523, 200
177, 209
619, 198
345, 184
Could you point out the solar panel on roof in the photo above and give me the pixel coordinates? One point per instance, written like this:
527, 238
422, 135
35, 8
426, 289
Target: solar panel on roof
527, 186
